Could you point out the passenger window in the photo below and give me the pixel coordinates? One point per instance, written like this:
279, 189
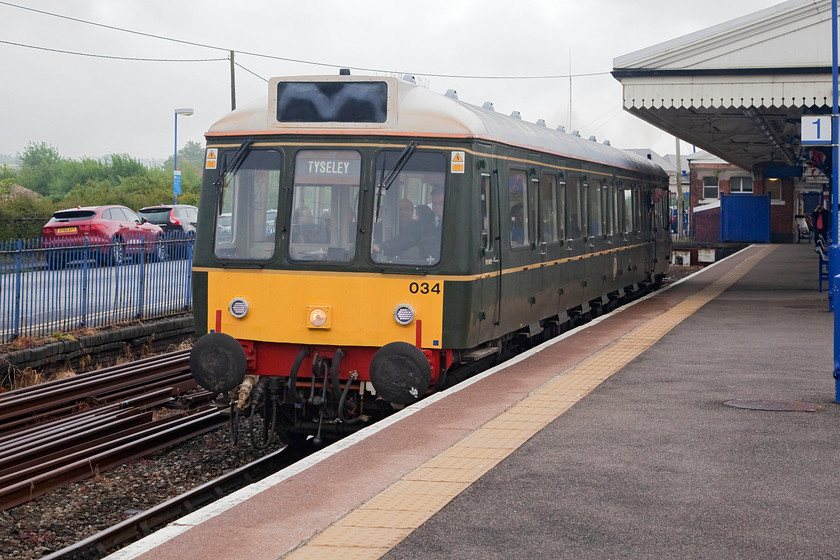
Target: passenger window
486, 239
617, 210
574, 213
596, 228
518, 210
606, 208
548, 209
628, 211
561, 210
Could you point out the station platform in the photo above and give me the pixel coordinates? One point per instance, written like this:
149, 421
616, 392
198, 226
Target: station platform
698, 422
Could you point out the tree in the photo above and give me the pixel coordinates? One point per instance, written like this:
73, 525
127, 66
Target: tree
40, 165
123, 165
190, 159
193, 152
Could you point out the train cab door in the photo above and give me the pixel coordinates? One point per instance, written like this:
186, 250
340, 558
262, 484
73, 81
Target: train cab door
661, 227
490, 280
550, 276
574, 245
599, 242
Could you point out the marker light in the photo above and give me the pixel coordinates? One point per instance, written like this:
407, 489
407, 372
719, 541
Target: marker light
319, 317
404, 314
238, 307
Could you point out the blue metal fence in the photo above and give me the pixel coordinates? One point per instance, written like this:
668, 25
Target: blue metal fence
58, 289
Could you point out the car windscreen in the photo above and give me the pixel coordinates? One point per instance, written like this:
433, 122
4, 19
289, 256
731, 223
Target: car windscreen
74, 215
156, 215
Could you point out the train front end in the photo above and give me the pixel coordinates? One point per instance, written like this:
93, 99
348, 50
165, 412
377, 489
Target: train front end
314, 283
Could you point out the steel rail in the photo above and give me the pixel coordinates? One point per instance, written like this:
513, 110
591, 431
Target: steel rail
147, 522
73, 428
64, 396
34, 482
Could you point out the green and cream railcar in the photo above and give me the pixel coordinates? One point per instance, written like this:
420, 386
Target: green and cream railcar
362, 239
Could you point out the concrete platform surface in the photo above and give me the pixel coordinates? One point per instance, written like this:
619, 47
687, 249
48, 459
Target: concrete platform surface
618, 440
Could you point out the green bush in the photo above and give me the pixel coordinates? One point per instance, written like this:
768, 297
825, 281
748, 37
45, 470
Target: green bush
65, 183
22, 217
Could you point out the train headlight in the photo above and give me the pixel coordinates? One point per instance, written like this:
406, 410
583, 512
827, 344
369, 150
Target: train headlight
238, 307
319, 316
404, 314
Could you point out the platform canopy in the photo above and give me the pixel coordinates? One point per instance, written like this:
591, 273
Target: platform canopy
738, 89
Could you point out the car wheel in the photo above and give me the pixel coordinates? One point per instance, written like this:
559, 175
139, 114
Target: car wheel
160, 249
117, 251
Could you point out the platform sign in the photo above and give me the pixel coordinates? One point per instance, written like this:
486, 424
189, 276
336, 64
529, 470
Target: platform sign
816, 130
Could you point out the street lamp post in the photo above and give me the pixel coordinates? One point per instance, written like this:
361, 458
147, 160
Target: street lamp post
176, 175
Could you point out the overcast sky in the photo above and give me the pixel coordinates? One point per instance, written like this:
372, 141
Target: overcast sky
93, 106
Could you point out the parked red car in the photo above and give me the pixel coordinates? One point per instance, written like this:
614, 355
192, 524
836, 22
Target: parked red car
112, 233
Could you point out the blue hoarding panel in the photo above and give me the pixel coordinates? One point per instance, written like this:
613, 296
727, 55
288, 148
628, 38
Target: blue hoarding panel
745, 219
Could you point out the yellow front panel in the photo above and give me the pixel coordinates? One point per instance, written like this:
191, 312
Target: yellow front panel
360, 307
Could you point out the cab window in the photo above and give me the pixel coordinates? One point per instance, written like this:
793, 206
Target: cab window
408, 216
248, 192
323, 220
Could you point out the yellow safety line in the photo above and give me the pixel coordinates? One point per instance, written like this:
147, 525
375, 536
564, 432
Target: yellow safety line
380, 524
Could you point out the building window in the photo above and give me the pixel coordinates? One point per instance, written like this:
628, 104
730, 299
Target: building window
710, 188
741, 185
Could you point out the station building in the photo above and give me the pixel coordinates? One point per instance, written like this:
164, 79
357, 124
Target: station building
740, 91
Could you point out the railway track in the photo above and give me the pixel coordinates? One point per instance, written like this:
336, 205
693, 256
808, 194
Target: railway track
147, 522
74, 428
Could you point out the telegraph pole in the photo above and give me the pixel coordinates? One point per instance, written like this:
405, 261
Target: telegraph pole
232, 84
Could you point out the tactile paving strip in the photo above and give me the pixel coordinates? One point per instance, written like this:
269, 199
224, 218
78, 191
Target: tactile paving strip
378, 525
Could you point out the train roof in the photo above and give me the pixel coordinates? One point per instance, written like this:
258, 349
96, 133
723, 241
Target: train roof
411, 110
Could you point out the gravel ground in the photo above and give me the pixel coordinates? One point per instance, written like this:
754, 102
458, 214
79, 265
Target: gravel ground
68, 515
679, 272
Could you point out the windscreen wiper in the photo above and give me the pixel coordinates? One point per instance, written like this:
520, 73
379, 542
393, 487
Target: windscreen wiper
233, 164
230, 166
385, 182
